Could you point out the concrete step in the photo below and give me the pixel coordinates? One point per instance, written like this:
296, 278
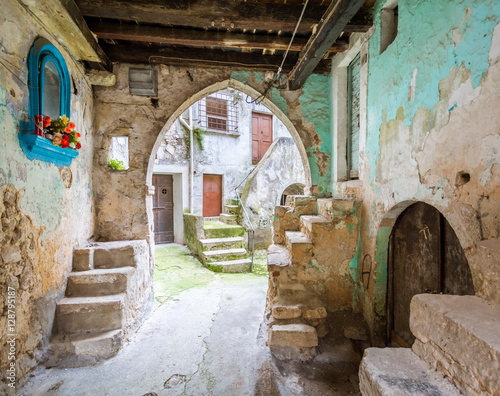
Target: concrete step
300, 247
83, 349
228, 218
234, 266
83, 259
217, 229
458, 335
232, 209
90, 314
278, 258
222, 243
213, 256
100, 282
399, 372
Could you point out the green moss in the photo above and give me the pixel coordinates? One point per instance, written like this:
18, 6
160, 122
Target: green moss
218, 229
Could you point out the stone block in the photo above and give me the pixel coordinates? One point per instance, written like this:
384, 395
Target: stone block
399, 372
486, 271
286, 311
459, 336
98, 282
277, 257
293, 335
11, 254
83, 259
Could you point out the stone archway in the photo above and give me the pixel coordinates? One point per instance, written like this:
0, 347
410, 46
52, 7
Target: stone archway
460, 218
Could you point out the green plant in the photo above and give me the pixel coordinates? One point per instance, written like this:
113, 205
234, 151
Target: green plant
116, 164
198, 134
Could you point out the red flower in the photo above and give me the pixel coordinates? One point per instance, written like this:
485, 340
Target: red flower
78, 146
65, 143
67, 130
78, 135
47, 119
65, 137
72, 125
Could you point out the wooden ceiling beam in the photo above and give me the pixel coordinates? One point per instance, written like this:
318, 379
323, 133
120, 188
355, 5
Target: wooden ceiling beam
196, 38
227, 14
195, 57
333, 23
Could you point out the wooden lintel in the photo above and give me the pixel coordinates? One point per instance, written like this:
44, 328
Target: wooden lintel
77, 18
226, 14
333, 23
203, 58
195, 38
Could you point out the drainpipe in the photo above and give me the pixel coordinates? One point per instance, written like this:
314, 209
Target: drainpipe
191, 155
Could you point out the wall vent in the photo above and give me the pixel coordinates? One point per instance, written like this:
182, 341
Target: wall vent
142, 81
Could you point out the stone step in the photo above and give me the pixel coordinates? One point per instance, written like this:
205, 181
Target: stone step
278, 257
83, 349
459, 336
312, 225
90, 314
114, 255
293, 341
399, 372
100, 282
333, 208
292, 306
228, 218
234, 266
292, 289
302, 204
232, 201
83, 259
217, 229
222, 243
232, 209
300, 247
213, 256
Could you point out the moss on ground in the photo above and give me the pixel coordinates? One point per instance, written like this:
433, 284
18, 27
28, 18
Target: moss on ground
176, 270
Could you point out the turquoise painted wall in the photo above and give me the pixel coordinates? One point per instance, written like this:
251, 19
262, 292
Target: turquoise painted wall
315, 108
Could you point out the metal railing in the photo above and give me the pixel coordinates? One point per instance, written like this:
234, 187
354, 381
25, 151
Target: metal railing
238, 200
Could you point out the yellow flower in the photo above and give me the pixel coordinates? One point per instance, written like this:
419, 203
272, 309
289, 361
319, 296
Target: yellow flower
65, 119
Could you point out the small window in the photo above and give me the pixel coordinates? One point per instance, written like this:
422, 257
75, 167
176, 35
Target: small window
49, 82
219, 112
142, 81
118, 153
388, 24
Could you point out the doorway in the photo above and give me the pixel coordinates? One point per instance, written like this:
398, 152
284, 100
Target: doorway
212, 195
163, 208
262, 135
425, 256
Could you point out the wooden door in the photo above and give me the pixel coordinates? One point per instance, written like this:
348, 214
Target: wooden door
425, 256
212, 195
163, 208
262, 135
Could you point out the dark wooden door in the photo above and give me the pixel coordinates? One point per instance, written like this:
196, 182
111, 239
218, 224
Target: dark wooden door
425, 256
212, 195
163, 208
262, 135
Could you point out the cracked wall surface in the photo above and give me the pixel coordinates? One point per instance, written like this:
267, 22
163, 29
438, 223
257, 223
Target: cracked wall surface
438, 120
46, 210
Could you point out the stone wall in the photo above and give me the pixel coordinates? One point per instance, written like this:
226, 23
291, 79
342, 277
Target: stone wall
433, 138
46, 210
279, 168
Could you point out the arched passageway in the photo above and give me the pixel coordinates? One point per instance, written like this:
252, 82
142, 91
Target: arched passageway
424, 256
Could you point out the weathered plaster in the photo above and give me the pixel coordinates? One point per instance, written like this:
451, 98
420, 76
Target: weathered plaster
55, 203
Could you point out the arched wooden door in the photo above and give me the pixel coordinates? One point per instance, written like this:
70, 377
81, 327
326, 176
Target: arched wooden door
425, 256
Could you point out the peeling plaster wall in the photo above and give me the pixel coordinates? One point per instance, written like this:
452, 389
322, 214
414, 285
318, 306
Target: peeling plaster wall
146, 121
45, 210
439, 116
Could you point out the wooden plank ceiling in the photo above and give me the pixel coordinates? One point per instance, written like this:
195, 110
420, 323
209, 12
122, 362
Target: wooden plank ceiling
236, 34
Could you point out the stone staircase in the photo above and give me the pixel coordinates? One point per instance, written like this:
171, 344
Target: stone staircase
456, 338
313, 239
223, 246
107, 297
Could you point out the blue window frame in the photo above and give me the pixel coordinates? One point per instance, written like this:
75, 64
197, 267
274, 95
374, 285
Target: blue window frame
50, 94
49, 81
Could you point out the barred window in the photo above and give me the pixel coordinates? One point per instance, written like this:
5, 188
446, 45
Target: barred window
219, 112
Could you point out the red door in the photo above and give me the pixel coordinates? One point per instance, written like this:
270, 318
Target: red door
212, 195
163, 208
262, 135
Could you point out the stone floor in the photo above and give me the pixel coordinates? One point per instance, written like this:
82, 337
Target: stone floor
205, 337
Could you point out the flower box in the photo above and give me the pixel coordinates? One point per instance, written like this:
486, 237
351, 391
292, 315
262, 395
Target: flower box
37, 147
